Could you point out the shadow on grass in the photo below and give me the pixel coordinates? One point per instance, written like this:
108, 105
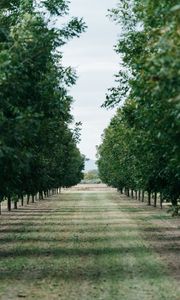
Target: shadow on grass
80, 252
108, 267
94, 272
124, 262
13, 239
42, 229
30, 228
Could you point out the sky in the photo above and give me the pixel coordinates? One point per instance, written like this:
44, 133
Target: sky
95, 61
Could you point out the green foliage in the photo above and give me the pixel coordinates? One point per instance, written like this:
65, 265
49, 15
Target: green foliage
141, 146
92, 177
37, 149
93, 174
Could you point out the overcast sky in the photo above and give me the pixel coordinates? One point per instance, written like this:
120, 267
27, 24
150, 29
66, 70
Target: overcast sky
93, 57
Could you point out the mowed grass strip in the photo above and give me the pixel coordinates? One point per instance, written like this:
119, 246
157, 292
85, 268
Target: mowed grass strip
85, 245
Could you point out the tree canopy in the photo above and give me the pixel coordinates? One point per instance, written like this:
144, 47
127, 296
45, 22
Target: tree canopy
140, 148
38, 150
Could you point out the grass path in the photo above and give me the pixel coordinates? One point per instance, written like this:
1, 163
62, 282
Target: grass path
89, 245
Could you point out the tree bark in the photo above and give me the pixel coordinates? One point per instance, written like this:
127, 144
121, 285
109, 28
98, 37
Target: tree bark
139, 195
161, 201
149, 198
41, 195
142, 196
132, 193
136, 195
22, 200
175, 206
28, 197
155, 199
9, 203
174, 201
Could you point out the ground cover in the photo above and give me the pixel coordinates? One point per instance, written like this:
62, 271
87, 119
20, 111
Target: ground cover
89, 244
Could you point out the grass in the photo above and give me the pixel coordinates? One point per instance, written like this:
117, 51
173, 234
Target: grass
85, 245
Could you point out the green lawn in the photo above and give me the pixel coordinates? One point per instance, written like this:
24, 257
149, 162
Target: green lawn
85, 246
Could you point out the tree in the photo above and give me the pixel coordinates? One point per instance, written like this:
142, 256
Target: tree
35, 105
148, 86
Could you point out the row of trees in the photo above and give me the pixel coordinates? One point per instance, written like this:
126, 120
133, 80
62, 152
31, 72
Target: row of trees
140, 148
38, 150
91, 176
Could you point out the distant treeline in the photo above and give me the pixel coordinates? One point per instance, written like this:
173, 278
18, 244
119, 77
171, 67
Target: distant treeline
92, 176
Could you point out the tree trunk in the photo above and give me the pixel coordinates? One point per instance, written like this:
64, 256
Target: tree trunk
142, 196
9, 203
161, 201
41, 195
155, 199
174, 202
136, 195
175, 207
132, 193
32, 198
22, 200
28, 197
128, 192
15, 204
139, 195
149, 198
